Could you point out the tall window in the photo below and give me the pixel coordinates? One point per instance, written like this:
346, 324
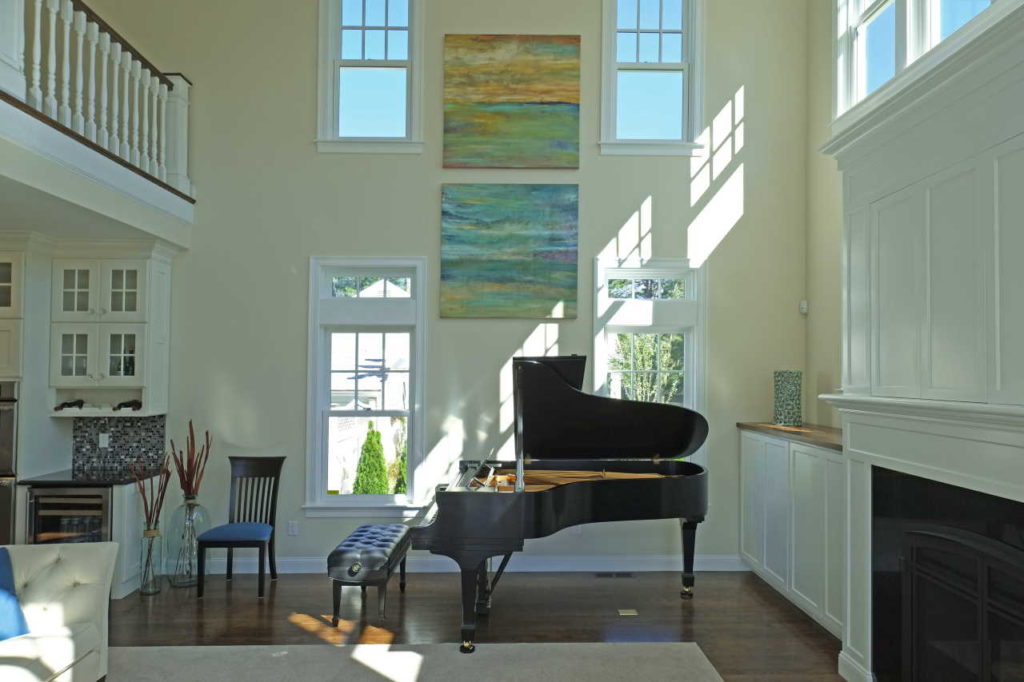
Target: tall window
647, 333
877, 39
366, 382
651, 76
369, 81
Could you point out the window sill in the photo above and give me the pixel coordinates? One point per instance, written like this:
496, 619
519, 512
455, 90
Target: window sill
375, 511
338, 146
640, 148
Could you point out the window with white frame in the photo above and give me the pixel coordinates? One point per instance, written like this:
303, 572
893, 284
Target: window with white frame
647, 333
877, 39
652, 76
369, 76
366, 381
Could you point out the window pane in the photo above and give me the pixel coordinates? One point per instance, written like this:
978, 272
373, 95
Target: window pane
131, 279
67, 344
397, 287
117, 279
956, 13
80, 368
83, 279
626, 47
81, 343
649, 47
371, 287
396, 391
649, 105
374, 45
346, 437
69, 279
645, 288
372, 102
343, 287
627, 14
83, 301
115, 367
396, 350
343, 351
352, 12
620, 288
343, 391
351, 44
398, 44
672, 15
650, 14
671, 352
880, 48
622, 353
375, 12
370, 353
116, 301
672, 47
5, 273
129, 344
68, 304
115, 344
398, 12
672, 289
371, 390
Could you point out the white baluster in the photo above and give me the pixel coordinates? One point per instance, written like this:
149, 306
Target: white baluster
102, 136
52, 7
177, 135
115, 97
35, 91
162, 155
144, 121
66, 17
126, 69
92, 34
78, 117
136, 74
154, 129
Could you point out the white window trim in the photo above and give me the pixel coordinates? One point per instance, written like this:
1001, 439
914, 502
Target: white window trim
694, 110
923, 56
328, 140
693, 311
327, 313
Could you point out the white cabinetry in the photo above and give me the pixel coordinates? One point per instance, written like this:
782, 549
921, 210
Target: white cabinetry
792, 523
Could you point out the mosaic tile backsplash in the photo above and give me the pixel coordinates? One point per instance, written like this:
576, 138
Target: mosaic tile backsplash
132, 439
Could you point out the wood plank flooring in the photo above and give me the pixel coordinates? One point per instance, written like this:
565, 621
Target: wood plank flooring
744, 627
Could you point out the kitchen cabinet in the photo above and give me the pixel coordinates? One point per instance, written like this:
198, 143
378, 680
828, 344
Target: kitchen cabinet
106, 290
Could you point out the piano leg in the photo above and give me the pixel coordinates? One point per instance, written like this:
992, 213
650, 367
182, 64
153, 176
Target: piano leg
470, 576
689, 542
483, 590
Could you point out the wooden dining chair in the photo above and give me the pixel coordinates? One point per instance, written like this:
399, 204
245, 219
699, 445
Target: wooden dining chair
252, 513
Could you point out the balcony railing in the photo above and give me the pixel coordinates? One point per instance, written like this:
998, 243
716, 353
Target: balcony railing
63, 64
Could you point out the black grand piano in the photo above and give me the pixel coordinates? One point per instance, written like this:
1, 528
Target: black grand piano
580, 458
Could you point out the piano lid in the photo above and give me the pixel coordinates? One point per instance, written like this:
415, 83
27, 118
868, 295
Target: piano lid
554, 419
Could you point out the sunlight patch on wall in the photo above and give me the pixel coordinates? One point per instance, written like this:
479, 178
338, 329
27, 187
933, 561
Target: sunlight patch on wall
633, 244
542, 341
716, 219
441, 463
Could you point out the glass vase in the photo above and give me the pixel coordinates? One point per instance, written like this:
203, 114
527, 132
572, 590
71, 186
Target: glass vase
788, 392
151, 561
188, 522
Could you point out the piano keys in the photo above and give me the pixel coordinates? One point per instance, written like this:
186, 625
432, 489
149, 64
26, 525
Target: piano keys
580, 458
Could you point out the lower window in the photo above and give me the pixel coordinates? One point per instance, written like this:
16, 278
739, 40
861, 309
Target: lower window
647, 367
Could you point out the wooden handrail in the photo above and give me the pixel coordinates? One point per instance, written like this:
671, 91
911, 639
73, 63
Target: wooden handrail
125, 45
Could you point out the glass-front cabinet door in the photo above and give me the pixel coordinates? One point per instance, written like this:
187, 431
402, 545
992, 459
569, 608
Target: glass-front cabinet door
73, 355
121, 355
10, 284
75, 291
122, 291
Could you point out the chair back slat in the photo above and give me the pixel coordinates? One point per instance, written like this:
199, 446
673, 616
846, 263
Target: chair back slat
254, 487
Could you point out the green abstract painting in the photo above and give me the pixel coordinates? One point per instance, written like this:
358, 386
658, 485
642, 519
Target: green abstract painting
511, 101
509, 250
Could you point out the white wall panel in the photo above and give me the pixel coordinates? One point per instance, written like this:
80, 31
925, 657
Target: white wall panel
857, 377
752, 499
776, 517
808, 525
1008, 346
835, 543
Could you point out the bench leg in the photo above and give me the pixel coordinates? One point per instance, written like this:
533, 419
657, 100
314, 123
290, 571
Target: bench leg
231, 563
382, 598
336, 587
263, 569
401, 575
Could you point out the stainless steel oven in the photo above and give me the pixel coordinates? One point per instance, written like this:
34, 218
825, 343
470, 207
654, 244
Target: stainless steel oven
57, 515
8, 454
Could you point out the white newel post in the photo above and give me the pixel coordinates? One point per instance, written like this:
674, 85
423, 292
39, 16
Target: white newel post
12, 47
177, 135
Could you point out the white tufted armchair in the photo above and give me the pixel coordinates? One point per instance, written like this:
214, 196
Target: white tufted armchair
64, 591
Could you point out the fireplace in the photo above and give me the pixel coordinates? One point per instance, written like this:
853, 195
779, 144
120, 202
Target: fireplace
948, 582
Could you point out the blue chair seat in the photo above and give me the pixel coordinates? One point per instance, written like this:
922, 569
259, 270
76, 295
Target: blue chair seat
238, 532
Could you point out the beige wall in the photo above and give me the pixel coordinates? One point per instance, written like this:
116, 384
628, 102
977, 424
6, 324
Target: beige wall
824, 226
268, 201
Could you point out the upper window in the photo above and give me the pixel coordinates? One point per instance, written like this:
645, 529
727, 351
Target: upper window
366, 383
878, 38
369, 79
651, 76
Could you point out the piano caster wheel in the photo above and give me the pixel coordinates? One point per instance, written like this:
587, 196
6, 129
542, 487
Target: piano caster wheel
334, 622
687, 593
467, 648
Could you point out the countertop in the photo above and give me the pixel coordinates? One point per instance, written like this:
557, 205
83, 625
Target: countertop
94, 478
812, 434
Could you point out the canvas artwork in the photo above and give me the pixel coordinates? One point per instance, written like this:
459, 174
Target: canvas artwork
511, 101
509, 250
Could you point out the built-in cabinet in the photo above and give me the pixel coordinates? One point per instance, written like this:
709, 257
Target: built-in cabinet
110, 332
792, 522
11, 311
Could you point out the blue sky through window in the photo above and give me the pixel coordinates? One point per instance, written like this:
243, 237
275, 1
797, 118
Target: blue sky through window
650, 105
956, 13
372, 102
880, 37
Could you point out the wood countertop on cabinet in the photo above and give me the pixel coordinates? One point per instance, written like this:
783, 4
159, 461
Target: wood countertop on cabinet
812, 434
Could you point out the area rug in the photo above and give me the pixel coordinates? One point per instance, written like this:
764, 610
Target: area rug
683, 662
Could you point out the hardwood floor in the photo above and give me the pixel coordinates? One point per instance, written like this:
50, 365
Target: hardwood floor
744, 627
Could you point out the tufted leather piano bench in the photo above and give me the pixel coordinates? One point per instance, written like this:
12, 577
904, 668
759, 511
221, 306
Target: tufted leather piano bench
368, 557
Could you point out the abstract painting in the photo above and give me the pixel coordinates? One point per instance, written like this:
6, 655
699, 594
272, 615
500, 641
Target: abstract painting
511, 101
509, 250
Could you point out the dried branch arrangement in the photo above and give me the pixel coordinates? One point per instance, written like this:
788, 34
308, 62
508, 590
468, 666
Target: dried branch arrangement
191, 462
152, 490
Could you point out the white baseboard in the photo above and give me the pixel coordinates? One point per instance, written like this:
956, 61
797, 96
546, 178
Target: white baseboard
852, 671
525, 563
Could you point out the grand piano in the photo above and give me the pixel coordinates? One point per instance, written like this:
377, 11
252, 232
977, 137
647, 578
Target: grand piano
580, 458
